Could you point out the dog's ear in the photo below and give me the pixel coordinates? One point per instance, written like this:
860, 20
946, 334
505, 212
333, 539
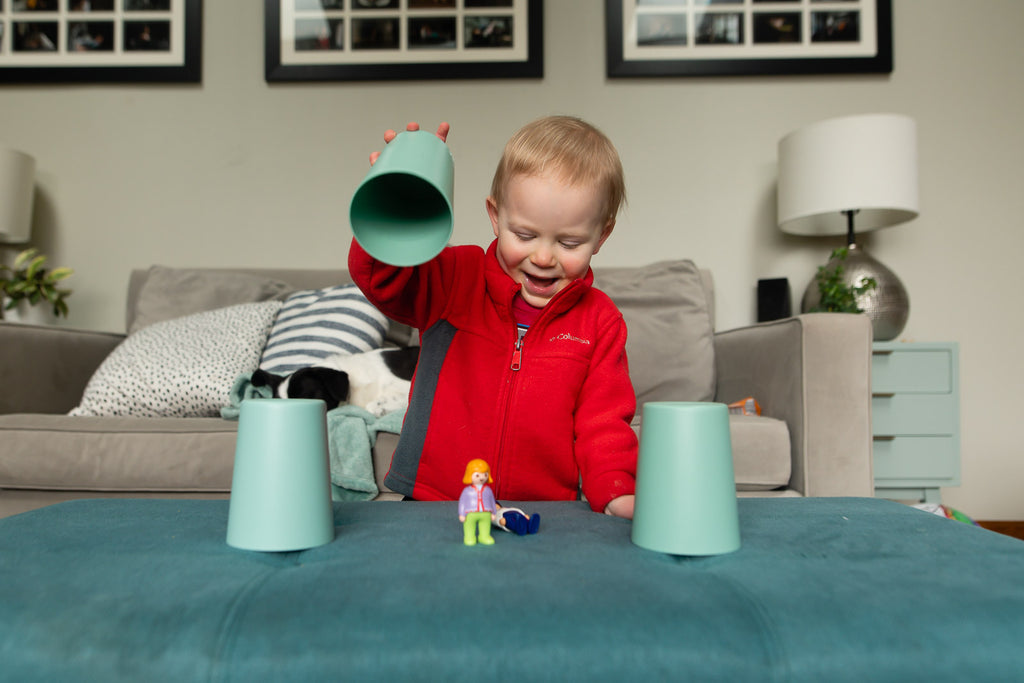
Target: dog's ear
327, 384
262, 378
401, 362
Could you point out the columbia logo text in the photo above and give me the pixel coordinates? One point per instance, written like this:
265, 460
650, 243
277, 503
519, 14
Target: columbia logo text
565, 336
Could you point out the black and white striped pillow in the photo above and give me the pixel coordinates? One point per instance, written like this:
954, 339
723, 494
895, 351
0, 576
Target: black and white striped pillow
317, 323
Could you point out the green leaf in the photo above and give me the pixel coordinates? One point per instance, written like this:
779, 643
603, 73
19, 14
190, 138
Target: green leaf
837, 296
33, 271
24, 257
58, 274
29, 280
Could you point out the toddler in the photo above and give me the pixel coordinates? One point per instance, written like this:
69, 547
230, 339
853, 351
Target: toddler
522, 360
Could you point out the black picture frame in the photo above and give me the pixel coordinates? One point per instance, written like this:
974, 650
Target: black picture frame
399, 57
739, 38
112, 41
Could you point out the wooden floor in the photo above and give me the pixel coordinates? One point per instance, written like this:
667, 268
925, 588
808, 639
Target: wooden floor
1015, 529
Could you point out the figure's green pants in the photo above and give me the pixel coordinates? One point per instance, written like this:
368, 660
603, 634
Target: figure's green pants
482, 522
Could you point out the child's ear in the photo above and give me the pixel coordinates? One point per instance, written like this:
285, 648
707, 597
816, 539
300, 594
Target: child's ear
492, 213
606, 232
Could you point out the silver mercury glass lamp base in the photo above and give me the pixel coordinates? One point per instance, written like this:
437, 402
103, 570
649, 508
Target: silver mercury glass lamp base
887, 305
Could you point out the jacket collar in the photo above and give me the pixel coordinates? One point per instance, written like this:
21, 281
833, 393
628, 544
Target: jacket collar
503, 289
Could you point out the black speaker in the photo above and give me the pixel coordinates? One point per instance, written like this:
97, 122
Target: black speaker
773, 300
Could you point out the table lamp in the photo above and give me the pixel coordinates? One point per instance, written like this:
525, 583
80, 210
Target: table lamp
853, 169
17, 179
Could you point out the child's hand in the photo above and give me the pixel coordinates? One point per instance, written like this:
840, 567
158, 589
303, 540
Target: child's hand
389, 135
621, 507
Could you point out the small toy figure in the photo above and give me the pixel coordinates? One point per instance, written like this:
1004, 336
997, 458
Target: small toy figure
477, 507
517, 521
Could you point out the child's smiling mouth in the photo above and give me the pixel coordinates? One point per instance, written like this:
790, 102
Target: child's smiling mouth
540, 284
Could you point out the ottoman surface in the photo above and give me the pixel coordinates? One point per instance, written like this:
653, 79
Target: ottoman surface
821, 589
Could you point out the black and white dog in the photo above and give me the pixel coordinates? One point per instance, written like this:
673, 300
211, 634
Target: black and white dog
377, 381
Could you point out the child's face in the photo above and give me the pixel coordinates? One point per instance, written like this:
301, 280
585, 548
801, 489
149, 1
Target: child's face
547, 232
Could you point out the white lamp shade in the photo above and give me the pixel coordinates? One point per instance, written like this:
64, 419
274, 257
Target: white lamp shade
17, 180
866, 163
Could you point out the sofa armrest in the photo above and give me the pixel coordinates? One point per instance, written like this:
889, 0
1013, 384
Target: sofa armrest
45, 369
814, 372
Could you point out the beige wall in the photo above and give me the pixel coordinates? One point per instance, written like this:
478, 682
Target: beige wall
237, 172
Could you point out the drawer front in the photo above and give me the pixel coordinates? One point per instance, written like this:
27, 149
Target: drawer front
916, 460
914, 414
919, 371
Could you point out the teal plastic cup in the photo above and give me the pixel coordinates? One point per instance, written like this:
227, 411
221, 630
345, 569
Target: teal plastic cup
685, 487
281, 486
402, 213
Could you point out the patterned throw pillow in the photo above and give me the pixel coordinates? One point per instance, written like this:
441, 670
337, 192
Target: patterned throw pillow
317, 323
183, 367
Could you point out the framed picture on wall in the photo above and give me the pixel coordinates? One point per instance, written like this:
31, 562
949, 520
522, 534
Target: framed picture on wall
360, 40
97, 41
747, 37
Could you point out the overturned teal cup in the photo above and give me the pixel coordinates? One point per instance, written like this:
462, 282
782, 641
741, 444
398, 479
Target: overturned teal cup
280, 488
402, 211
685, 487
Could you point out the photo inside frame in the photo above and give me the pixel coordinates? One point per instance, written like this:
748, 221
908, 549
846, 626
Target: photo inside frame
77, 39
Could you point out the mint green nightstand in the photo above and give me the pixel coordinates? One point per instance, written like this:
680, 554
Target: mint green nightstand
915, 419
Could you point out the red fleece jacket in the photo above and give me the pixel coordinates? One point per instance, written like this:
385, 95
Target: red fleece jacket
543, 414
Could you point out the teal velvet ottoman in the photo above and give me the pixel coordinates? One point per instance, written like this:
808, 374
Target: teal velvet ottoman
821, 590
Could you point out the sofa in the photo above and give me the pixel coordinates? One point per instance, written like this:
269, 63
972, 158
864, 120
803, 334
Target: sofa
809, 375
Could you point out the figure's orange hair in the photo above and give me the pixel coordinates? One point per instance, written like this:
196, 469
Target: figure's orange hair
474, 466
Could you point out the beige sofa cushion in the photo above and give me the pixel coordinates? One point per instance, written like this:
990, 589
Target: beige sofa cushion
117, 453
197, 454
130, 454
174, 292
667, 312
760, 451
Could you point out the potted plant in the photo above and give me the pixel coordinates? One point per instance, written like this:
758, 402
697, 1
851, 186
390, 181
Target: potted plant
29, 282
835, 294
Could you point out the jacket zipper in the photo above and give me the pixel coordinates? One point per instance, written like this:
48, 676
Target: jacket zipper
517, 354
515, 365
510, 382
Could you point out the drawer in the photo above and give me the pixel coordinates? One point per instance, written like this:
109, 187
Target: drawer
918, 371
916, 460
914, 414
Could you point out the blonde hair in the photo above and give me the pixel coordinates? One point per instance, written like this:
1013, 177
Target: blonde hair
571, 148
474, 466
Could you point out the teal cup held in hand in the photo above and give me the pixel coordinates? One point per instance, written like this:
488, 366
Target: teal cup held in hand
402, 212
280, 488
685, 486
